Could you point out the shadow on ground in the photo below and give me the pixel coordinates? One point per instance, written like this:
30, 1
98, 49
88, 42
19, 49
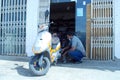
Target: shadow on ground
94, 64
14, 58
21, 70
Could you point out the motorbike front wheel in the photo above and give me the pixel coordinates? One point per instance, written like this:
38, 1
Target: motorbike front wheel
39, 69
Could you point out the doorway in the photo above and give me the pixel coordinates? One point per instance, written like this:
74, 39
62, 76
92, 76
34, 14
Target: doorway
63, 17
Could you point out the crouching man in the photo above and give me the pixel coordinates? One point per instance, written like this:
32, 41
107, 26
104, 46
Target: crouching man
77, 50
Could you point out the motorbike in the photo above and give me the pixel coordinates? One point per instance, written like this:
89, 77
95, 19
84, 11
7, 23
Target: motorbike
46, 51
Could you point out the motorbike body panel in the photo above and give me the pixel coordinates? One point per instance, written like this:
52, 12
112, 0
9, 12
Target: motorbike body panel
42, 42
46, 51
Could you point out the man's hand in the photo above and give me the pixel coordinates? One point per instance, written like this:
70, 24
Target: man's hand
65, 53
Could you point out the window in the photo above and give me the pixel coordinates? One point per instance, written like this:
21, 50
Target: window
0, 32
9, 16
1, 3
6, 16
21, 32
7, 2
4, 2
18, 16
19, 2
24, 32
21, 16
18, 30
13, 16
7, 25
10, 2
1, 17
22, 2
16, 2
25, 1
25, 16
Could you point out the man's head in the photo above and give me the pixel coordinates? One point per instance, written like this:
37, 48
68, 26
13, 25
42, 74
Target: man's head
54, 35
70, 35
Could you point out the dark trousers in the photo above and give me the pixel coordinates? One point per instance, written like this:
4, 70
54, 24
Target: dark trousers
76, 55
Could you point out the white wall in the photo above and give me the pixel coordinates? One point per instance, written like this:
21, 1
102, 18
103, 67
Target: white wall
31, 24
117, 27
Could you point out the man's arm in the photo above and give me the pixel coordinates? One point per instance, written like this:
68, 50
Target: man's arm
71, 49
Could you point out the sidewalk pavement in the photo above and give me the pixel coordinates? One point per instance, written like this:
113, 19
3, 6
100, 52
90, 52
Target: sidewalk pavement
16, 68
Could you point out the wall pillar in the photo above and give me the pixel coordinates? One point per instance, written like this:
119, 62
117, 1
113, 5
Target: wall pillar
31, 24
117, 27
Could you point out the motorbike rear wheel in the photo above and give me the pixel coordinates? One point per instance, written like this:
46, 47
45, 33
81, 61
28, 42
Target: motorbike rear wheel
39, 69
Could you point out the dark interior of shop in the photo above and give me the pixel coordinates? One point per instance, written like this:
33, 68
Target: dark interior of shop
63, 17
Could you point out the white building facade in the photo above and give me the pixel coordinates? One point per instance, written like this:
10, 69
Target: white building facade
19, 20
